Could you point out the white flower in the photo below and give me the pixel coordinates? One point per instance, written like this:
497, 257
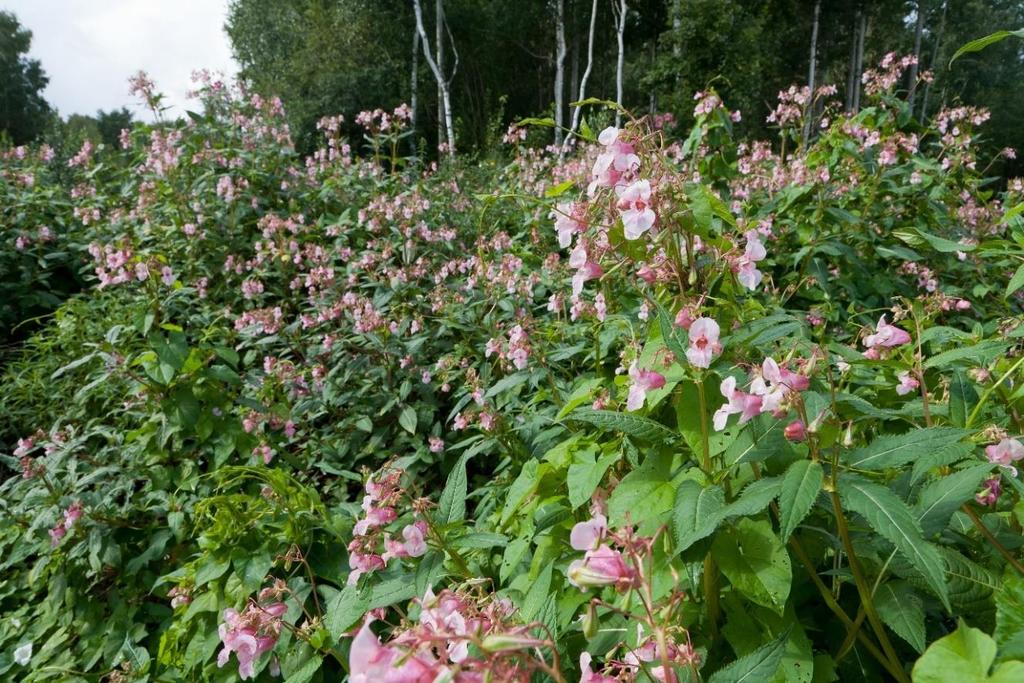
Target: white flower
23, 655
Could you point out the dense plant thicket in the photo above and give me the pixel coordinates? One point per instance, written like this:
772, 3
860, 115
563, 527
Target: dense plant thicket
665, 409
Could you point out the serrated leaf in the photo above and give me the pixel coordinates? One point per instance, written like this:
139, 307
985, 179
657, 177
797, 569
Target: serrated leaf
754, 498
696, 513
980, 354
901, 610
644, 495
345, 609
756, 563
584, 478
892, 519
944, 496
1009, 633
633, 425
452, 505
761, 439
760, 665
964, 655
521, 489
962, 398
537, 596
893, 451
800, 487
1017, 281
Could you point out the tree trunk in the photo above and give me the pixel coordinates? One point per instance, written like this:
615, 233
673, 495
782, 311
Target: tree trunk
442, 82
583, 81
810, 72
414, 82
918, 30
677, 38
439, 39
851, 73
620, 32
935, 60
653, 98
862, 33
559, 71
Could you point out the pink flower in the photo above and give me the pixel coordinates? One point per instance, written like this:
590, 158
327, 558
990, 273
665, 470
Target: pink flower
415, 546
886, 336
704, 344
990, 494
616, 162
748, 406
589, 271
436, 444
1005, 452
587, 535
907, 384
371, 662
601, 567
588, 675
249, 635
637, 215
566, 223
795, 431
747, 272
643, 381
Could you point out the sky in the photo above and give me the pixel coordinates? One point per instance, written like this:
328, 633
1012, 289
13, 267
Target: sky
89, 48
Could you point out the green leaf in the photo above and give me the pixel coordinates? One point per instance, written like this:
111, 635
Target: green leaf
644, 495
964, 656
521, 489
1009, 632
762, 438
633, 425
537, 596
345, 609
893, 520
392, 591
480, 539
696, 514
760, 665
800, 488
962, 398
977, 355
452, 505
559, 189
979, 44
584, 477
407, 419
756, 563
901, 610
754, 498
1017, 281
893, 451
306, 671
944, 496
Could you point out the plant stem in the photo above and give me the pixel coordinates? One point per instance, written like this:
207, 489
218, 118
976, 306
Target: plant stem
865, 591
993, 541
988, 392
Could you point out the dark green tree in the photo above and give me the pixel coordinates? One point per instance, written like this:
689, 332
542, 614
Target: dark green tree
23, 111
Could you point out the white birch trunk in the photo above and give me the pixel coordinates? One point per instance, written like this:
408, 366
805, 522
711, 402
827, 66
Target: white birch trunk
620, 32
442, 82
809, 115
583, 81
559, 71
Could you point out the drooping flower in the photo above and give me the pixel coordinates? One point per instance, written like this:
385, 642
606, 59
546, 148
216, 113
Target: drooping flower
886, 336
567, 222
989, 495
601, 566
642, 382
371, 662
587, 535
635, 205
1005, 453
588, 271
704, 344
588, 675
746, 266
249, 634
907, 384
747, 406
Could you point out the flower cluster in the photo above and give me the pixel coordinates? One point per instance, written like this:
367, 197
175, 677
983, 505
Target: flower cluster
70, 516
383, 493
250, 633
770, 389
601, 564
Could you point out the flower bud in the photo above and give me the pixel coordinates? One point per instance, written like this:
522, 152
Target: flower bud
590, 622
505, 642
795, 431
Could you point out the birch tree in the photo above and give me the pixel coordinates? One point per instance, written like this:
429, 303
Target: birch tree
583, 81
620, 31
918, 30
559, 69
810, 71
414, 83
443, 83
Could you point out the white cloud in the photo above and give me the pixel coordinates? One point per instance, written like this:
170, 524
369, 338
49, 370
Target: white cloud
89, 48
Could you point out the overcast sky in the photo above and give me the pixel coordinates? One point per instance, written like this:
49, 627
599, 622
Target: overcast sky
89, 48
